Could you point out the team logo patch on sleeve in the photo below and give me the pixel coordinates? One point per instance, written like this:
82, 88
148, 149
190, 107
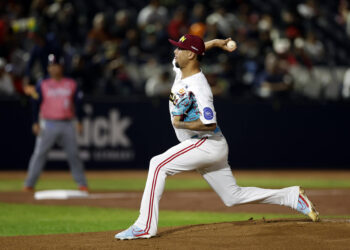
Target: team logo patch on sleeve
208, 113
182, 91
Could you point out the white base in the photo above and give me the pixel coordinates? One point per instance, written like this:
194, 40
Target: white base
60, 194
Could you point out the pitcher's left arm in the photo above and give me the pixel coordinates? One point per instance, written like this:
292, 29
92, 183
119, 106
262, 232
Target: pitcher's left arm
196, 125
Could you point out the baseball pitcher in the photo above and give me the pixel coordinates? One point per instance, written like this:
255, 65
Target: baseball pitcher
202, 146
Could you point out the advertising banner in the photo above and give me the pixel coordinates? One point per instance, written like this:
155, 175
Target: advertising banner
126, 134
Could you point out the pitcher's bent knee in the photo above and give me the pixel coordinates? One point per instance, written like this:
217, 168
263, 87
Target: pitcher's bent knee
154, 162
231, 200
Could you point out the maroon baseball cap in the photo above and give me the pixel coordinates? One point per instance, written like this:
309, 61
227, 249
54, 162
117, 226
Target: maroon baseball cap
190, 42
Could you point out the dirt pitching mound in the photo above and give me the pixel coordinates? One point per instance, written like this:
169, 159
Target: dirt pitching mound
262, 234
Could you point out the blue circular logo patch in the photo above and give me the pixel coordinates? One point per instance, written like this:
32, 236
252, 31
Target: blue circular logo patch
208, 113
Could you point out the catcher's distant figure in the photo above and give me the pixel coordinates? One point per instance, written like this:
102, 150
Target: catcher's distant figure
56, 102
202, 146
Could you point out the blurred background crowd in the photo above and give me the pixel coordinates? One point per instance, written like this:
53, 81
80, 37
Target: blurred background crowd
291, 49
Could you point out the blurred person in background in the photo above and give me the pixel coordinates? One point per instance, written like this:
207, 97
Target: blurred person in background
5, 36
314, 48
93, 57
225, 21
159, 85
308, 9
290, 25
152, 14
343, 17
151, 68
98, 33
56, 104
264, 28
84, 72
6, 84
130, 45
118, 81
273, 81
299, 55
218, 86
197, 20
178, 24
198, 14
44, 45
346, 86
122, 24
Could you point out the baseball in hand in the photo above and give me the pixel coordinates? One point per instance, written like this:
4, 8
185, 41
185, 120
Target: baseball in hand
231, 45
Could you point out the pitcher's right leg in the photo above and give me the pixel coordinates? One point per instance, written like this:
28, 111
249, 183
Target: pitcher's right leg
177, 159
220, 178
224, 184
182, 157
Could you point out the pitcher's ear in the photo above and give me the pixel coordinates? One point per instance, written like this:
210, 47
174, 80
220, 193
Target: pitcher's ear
191, 55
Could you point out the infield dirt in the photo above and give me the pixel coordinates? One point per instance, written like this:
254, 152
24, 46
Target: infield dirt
271, 234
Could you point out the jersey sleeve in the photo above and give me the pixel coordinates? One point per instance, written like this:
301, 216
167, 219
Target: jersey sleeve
205, 104
182, 106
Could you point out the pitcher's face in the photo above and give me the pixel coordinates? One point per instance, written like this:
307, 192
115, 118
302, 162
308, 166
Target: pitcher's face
181, 57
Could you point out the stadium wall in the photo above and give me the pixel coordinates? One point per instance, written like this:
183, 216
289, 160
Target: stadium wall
126, 134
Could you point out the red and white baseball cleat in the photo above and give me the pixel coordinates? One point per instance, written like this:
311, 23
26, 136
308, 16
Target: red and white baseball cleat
306, 207
132, 233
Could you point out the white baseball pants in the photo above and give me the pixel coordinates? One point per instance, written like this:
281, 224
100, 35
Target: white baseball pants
209, 157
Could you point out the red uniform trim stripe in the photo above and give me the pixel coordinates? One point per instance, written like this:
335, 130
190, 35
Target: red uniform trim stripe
198, 144
150, 211
138, 235
154, 181
307, 204
156, 174
163, 163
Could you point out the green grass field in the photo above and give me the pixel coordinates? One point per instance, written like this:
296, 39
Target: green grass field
24, 219
138, 184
